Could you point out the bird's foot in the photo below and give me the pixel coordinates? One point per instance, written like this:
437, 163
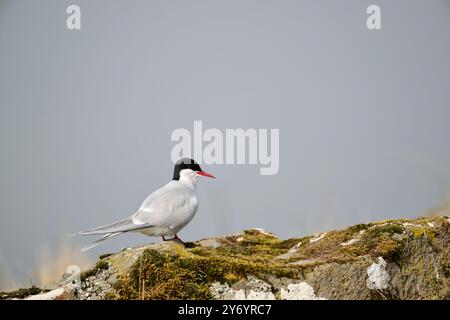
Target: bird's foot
174, 239
178, 240
185, 244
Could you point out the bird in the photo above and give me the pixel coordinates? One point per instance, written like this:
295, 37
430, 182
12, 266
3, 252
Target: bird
164, 212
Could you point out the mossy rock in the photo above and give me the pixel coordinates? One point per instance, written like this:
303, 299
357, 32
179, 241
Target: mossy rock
171, 271
412, 257
102, 264
21, 293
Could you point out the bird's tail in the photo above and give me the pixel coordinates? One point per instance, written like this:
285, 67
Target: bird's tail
98, 241
119, 226
110, 230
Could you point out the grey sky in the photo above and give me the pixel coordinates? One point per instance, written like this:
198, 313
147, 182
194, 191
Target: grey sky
86, 116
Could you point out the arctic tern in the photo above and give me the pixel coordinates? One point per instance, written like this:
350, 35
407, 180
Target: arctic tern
164, 213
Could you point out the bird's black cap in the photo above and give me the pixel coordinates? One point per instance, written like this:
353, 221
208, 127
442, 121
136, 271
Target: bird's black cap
185, 163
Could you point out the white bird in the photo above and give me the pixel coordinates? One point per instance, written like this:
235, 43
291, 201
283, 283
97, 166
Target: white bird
165, 212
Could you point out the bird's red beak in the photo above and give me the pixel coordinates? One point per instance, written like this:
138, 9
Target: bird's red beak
205, 174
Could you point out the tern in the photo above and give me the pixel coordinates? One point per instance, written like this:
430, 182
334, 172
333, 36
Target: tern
164, 213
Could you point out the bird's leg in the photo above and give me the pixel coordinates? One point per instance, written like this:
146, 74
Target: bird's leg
176, 238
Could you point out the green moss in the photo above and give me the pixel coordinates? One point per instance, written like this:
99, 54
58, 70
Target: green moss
262, 247
188, 274
370, 239
359, 227
379, 240
421, 230
100, 265
387, 229
289, 243
329, 248
256, 233
106, 255
251, 244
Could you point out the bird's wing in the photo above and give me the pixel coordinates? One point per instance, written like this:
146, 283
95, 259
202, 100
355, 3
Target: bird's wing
161, 208
154, 212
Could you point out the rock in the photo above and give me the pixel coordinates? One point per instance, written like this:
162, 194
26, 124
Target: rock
318, 238
378, 276
250, 289
392, 259
51, 295
210, 243
299, 291
305, 262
